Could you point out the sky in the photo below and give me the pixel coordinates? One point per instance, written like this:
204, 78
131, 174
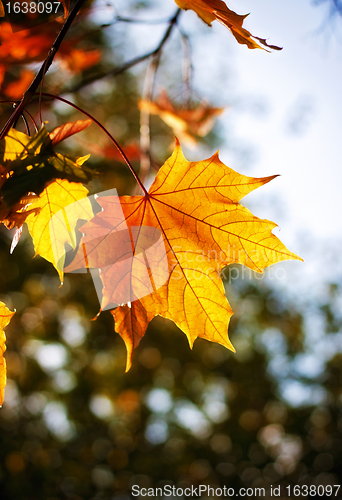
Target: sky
298, 133
302, 84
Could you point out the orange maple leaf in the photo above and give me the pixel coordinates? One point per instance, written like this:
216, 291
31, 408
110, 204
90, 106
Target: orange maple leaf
5, 318
66, 130
211, 10
195, 206
184, 122
33, 45
78, 60
66, 7
16, 89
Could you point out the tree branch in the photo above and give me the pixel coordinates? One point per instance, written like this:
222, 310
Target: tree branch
29, 94
129, 64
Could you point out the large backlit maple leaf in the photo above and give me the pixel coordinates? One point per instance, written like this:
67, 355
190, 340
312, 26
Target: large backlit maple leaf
5, 318
195, 206
211, 10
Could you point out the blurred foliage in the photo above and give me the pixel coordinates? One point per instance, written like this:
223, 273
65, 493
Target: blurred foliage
74, 426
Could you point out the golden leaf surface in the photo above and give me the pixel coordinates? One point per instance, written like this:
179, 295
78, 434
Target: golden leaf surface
195, 207
217, 10
5, 318
55, 197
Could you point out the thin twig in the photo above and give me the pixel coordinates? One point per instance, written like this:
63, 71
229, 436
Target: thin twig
40, 96
33, 121
29, 94
26, 124
145, 133
129, 64
187, 65
141, 21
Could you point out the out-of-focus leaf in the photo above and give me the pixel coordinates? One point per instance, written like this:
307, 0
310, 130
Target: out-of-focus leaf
16, 89
185, 123
78, 60
66, 6
5, 318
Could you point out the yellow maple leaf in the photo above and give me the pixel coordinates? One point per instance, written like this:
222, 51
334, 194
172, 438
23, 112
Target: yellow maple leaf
55, 197
5, 318
28, 165
211, 10
195, 207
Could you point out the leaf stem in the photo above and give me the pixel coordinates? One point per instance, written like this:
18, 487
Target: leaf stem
30, 92
33, 121
126, 160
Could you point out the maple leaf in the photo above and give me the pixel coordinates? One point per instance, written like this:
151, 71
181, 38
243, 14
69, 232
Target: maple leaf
5, 318
195, 207
27, 167
33, 45
66, 7
211, 10
55, 197
78, 60
131, 150
17, 88
184, 122
30, 163
66, 130
29, 45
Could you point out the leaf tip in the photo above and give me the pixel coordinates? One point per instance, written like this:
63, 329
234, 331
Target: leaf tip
97, 315
177, 143
128, 362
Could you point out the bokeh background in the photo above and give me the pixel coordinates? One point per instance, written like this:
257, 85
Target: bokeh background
73, 425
